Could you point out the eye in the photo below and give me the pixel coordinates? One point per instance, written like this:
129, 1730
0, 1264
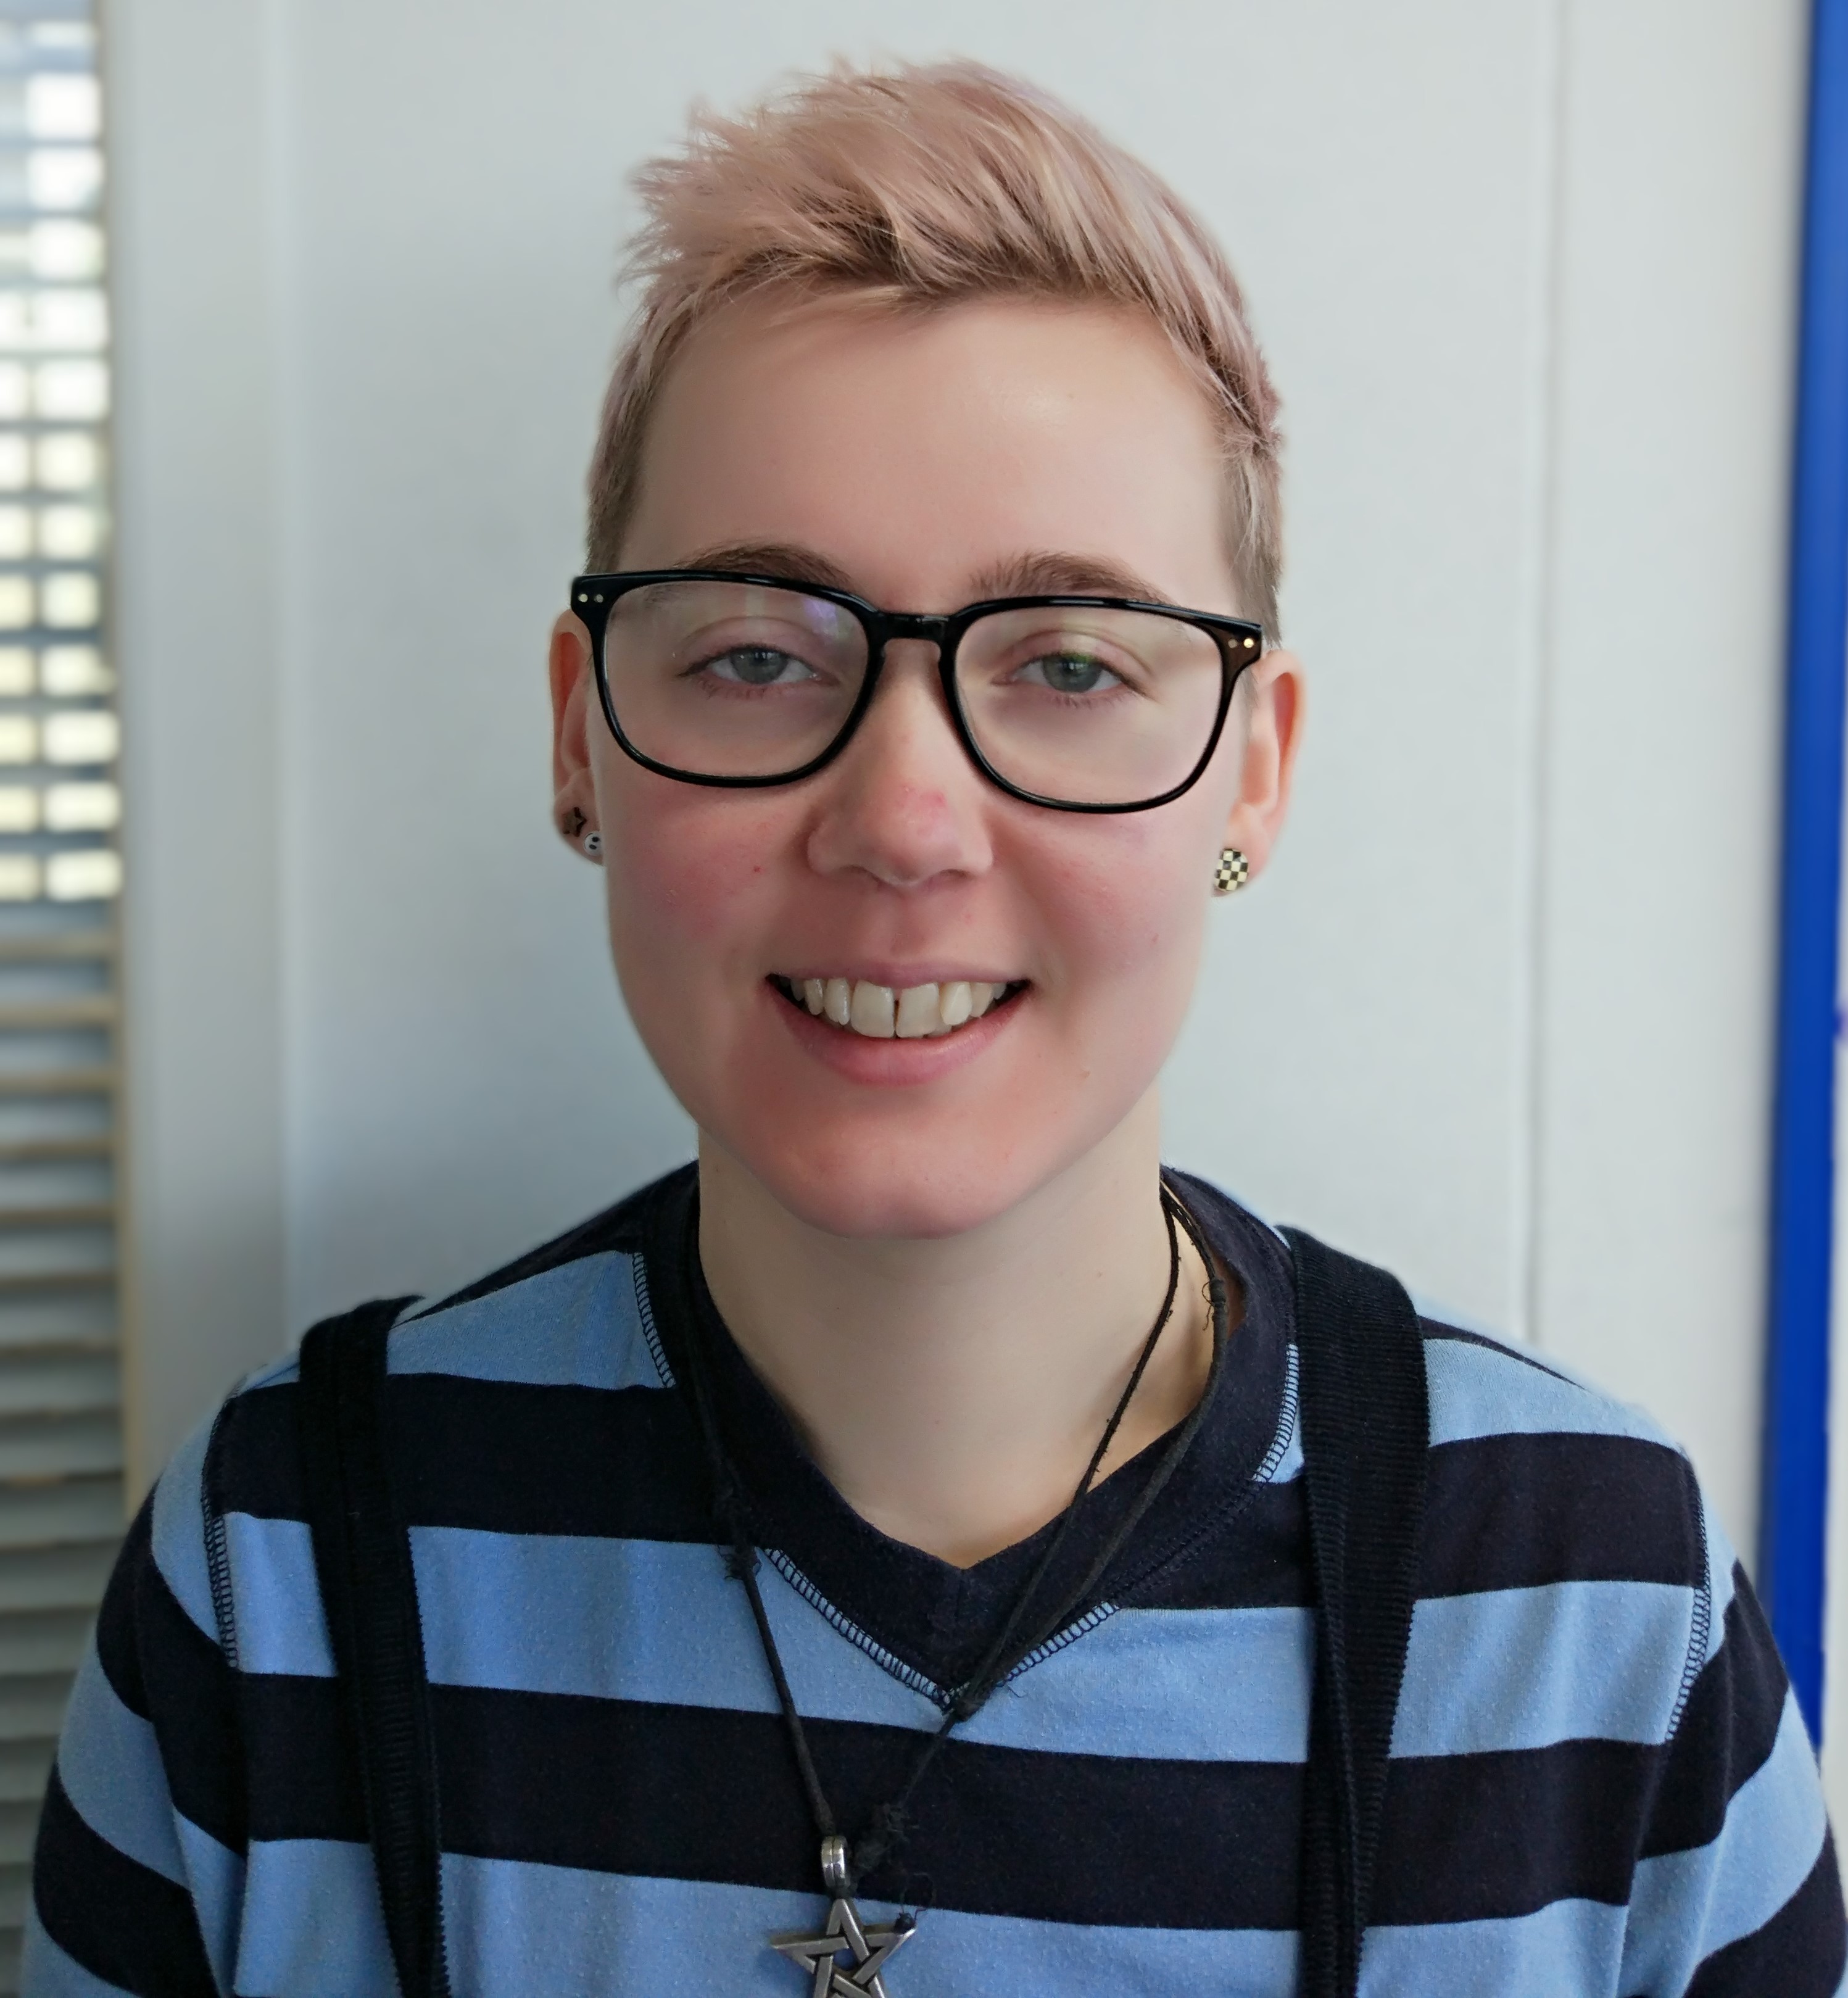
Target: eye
758, 665
1070, 673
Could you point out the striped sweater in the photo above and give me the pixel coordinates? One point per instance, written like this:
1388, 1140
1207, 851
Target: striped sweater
1599, 1783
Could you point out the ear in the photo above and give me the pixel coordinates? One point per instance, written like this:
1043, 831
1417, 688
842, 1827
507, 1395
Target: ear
1273, 730
574, 712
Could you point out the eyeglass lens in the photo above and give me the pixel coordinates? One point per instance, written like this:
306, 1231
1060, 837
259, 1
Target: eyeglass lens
1085, 705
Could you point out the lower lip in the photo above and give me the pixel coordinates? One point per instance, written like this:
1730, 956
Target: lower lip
893, 1063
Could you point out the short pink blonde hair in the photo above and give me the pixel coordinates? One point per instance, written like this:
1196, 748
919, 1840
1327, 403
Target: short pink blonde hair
918, 188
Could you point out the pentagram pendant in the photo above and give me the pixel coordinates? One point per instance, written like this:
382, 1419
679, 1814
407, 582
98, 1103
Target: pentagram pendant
869, 1944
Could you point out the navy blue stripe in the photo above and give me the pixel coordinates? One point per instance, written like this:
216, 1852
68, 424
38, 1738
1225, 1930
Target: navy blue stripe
192, 1698
710, 1794
1475, 1838
1259, 1566
505, 1457
116, 1645
256, 1463
520, 1459
1800, 1952
1728, 1731
303, 1776
118, 1919
1503, 1512
1517, 1511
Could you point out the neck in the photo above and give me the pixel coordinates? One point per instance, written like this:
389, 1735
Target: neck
952, 1390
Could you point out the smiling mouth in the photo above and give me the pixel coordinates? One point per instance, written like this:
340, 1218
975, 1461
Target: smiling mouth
885, 1013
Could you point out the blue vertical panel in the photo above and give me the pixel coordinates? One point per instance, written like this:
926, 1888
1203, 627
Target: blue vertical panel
1796, 1438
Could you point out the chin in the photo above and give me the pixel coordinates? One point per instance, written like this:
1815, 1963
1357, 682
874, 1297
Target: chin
913, 1174
883, 1198
870, 1162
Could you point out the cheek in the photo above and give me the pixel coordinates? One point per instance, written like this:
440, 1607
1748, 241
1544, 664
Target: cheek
687, 868
1128, 897
1126, 911
693, 885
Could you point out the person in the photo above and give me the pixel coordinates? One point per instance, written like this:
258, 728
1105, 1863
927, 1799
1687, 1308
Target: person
876, 1559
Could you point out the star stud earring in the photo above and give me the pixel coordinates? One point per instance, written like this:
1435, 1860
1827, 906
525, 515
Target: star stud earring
1232, 872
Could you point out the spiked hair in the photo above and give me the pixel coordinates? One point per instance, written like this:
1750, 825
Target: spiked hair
915, 188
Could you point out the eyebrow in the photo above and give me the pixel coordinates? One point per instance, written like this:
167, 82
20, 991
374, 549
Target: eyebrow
784, 559
1052, 572
1041, 572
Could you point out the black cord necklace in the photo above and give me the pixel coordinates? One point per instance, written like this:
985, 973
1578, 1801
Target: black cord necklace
843, 1866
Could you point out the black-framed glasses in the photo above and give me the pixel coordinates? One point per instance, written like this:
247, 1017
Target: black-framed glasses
1081, 704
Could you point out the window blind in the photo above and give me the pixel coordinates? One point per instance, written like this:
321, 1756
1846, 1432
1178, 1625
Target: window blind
60, 870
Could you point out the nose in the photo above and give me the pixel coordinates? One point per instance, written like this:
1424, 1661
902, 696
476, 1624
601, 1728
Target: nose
903, 803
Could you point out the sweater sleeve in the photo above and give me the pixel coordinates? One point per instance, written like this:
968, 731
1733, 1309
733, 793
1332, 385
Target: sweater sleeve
1735, 1890
138, 1874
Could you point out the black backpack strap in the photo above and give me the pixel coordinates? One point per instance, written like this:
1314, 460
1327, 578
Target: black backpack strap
362, 1559
1367, 1427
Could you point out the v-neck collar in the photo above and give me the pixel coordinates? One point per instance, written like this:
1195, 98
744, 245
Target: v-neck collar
933, 1618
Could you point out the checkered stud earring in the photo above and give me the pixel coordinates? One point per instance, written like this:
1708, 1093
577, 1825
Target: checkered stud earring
1233, 871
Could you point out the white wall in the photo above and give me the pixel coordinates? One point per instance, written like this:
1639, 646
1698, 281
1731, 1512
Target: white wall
1662, 705
1498, 1017
197, 409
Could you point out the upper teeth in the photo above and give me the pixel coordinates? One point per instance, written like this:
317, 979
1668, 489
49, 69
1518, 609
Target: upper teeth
913, 1013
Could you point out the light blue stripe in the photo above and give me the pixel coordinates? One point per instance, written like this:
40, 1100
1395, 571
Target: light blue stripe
1283, 1461
1684, 1906
1189, 1684
312, 1925
661, 1621
511, 1926
46, 1972
109, 1763
216, 1874
1526, 1667
652, 1620
634, 1620
1569, 1949
281, 1625
1478, 1390
179, 1530
578, 1326
515, 1927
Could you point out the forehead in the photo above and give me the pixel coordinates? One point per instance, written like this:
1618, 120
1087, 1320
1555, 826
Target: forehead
918, 452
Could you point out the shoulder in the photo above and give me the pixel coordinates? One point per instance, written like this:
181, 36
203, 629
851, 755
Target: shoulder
1587, 1661
573, 1315
1572, 1581
574, 1312
515, 1365
1482, 1387
1536, 1477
